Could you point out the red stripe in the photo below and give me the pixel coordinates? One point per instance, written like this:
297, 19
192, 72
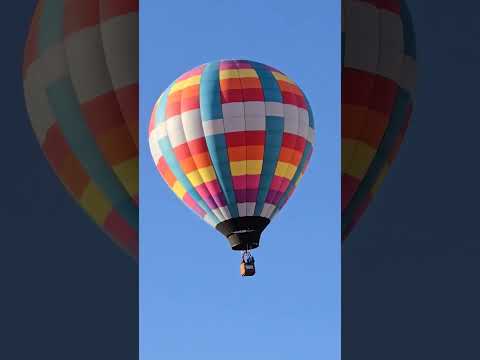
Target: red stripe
198, 146
255, 137
103, 114
190, 103
55, 147
122, 232
182, 152
235, 138
252, 94
112, 8
356, 87
79, 15
390, 5
231, 95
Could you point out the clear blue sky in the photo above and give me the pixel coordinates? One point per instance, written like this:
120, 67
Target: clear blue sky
193, 303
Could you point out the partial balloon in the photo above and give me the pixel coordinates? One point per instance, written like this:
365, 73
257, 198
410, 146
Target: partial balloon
81, 90
378, 80
232, 139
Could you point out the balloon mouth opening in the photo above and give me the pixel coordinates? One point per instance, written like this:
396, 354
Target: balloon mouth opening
243, 233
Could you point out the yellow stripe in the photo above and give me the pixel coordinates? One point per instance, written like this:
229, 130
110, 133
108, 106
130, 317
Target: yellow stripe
279, 76
238, 168
254, 167
195, 178
356, 157
240, 73
178, 189
207, 174
201, 176
194, 80
127, 172
246, 167
285, 170
95, 203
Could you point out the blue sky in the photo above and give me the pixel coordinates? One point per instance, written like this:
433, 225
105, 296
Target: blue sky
193, 303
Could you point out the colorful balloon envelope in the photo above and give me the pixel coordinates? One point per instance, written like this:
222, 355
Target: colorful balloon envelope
81, 90
232, 139
378, 80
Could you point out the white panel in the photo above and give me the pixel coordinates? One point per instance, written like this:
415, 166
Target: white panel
242, 209
250, 208
50, 67
120, 43
160, 130
218, 214
192, 124
274, 108
255, 123
175, 131
233, 117
86, 61
391, 46
225, 212
408, 78
154, 148
39, 75
208, 218
303, 123
361, 25
213, 127
311, 135
267, 210
291, 119
255, 108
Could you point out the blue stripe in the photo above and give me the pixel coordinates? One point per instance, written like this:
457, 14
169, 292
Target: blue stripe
174, 166
50, 30
211, 110
273, 134
172, 162
67, 111
408, 30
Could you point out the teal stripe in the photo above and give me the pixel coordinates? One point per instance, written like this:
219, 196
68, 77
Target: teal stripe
169, 155
397, 120
174, 165
301, 167
273, 134
67, 111
50, 30
408, 30
211, 110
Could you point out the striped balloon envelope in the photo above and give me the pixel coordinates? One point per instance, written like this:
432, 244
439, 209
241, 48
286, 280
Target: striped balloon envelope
232, 139
378, 80
81, 89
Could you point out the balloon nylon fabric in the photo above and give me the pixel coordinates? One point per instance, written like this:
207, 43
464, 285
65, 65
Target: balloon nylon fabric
232, 138
81, 91
378, 80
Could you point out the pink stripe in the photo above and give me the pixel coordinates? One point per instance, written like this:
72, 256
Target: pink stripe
193, 205
196, 71
213, 187
276, 183
253, 181
227, 65
239, 182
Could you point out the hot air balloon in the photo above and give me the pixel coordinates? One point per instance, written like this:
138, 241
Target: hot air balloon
232, 139
378, 80
81, 90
